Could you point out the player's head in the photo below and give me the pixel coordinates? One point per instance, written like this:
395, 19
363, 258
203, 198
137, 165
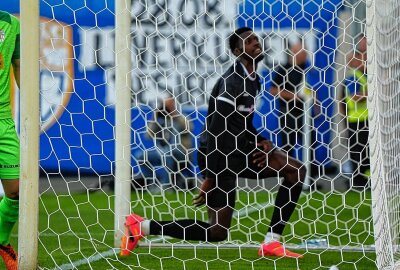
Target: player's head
245, 43
297, 54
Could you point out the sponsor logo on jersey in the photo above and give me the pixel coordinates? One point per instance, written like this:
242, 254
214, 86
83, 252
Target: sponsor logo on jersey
243, 108
2, 35
9, 166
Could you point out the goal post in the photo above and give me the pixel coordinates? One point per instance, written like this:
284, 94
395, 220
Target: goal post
29, 136
123, 116
383, 25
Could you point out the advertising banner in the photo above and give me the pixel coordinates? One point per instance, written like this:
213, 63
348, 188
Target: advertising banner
178, 48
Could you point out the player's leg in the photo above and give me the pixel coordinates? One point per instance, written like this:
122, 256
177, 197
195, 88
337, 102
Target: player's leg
8, 209
365, 162
220, 202
220, 216
189, 229
356, 149
293, 173
9, 205
8, 217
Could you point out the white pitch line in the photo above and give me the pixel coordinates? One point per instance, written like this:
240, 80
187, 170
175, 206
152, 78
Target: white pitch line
244, 211
73, 265
251, 209
68, 266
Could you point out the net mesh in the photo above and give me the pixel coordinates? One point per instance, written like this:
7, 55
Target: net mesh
315, 52
384, 130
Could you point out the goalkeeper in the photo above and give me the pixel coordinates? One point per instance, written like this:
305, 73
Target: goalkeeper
230, 147
9, 142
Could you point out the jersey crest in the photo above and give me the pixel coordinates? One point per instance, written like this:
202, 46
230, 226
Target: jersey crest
56, 71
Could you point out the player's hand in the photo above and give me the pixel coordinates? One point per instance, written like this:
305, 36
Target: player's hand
207, 185
260, 157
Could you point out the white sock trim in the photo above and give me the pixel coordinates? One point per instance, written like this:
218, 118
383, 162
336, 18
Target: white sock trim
271, 237
145, 227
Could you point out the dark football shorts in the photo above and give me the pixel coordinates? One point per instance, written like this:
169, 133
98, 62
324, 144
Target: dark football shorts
238, 165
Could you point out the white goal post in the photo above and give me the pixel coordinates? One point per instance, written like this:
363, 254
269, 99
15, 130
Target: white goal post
383, 26
122, 116
29, 136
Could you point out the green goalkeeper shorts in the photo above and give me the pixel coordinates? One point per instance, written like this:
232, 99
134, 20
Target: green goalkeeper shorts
9, 150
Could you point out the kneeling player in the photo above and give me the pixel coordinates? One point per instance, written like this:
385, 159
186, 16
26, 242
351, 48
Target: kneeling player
230, 147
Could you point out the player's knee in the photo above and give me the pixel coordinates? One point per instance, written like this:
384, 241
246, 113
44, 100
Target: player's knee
218, 233
219, 237
295, 176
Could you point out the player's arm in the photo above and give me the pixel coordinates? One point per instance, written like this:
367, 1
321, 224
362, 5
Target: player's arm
16, 54
16, 68
224, 107
263, 144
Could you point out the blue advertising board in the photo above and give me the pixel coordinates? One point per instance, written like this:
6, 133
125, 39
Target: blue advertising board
77, 69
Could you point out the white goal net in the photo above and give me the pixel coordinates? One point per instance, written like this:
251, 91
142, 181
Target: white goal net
384, 131
310, 101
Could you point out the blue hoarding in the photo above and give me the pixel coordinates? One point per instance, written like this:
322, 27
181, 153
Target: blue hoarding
77, 69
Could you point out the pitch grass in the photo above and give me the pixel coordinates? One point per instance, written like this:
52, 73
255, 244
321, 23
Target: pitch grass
79, 227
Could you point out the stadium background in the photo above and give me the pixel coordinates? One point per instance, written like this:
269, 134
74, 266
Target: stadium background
77, 110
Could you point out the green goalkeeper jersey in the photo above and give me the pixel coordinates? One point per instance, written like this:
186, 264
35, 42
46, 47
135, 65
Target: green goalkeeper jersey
9, 50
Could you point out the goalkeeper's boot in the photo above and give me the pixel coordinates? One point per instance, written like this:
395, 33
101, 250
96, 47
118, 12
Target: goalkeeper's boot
276, 249
9, 256
132, 234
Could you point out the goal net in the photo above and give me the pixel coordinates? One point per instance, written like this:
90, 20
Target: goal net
311, 104
384, 131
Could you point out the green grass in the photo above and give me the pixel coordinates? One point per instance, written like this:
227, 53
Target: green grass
78, 226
